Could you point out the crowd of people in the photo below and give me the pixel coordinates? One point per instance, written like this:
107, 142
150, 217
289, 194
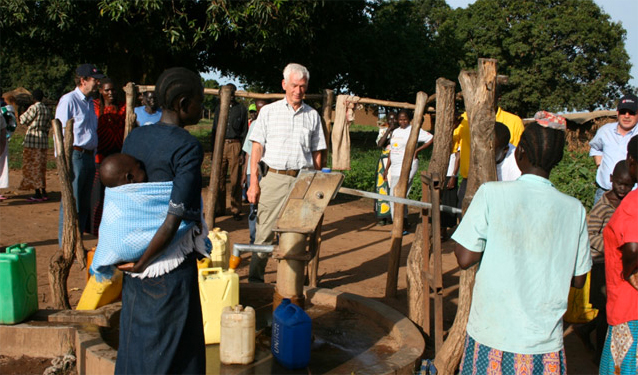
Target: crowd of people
530, 241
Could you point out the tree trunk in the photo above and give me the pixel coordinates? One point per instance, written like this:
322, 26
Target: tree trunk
401, 189
416, 293
478, 93
218, 152
419, 253
71, 237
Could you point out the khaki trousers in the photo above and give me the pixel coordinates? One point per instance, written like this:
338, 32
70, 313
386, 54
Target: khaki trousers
230, 161
274, 190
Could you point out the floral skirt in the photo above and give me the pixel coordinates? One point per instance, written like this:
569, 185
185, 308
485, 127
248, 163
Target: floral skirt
481, 359
619, 354
34, 168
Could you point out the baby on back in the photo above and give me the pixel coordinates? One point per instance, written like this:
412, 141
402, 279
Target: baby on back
121, 169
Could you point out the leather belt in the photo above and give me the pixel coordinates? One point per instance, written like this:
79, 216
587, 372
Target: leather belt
82, 150
287, 172
231, 140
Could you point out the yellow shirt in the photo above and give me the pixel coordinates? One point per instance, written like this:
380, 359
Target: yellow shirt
462, 135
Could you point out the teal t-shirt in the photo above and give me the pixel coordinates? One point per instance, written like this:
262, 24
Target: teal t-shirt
534, 240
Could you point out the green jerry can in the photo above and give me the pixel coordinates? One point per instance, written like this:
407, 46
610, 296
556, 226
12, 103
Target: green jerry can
18, 284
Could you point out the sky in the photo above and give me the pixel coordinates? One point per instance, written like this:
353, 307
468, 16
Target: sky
624, 11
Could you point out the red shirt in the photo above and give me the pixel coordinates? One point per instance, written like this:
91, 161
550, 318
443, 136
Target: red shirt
622, 298
110, 129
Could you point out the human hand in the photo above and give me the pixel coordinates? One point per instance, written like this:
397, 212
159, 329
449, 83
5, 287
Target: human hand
253, 193
633, 280
128, 267
385, 175
450, 183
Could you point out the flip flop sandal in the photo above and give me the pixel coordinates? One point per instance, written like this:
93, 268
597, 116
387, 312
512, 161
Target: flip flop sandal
34, 199
2, 197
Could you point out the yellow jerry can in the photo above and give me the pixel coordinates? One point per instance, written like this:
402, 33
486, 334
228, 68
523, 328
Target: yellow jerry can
97, 294
217, 289
220, 254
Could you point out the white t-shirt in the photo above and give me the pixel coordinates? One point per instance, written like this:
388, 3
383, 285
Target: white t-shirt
397, 146
507, 170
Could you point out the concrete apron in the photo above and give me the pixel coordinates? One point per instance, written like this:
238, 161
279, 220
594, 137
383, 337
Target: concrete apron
51, 333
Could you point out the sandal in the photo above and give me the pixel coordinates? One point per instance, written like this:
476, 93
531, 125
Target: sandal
2, 197
35, 199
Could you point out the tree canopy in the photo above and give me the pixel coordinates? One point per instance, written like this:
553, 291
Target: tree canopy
558, 54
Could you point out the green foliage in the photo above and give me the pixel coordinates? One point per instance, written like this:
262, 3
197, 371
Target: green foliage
560, 55
575, 175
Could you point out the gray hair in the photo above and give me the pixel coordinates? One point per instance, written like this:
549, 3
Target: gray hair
298, 69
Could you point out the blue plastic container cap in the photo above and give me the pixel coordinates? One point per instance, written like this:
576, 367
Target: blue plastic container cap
326, 170
291, 335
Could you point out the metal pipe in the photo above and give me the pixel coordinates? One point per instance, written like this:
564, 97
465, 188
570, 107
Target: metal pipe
244, 247
409, 202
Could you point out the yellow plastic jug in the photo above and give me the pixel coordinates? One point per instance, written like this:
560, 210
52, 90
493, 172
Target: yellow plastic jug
579, 310
217, 289
220, 254
97, 294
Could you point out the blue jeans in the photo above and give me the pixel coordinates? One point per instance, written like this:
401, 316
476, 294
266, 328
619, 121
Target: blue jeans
161, 326
83, 173
252, 224
599, 194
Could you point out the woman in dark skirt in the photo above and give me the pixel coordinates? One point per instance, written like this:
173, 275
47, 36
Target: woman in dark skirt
161, 328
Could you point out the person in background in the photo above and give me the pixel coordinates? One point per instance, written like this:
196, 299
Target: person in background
247, 148
462, 135
78, 105
610, 142
382, 186
530, 242
621, 184
506, 167
4, 159
37, 119
398, 142
449, 194
232, 158
111, 115
149, 112
621, 276
287, 137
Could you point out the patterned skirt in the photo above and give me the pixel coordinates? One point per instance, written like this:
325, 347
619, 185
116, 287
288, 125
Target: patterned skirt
34, 168
382, 207
481, 359
619, 354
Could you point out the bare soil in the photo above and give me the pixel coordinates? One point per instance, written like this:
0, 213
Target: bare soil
353, 258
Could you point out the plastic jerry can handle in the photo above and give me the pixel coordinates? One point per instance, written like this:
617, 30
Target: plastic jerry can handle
203, 272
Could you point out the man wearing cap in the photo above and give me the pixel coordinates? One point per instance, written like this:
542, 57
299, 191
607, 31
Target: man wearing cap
236, 128
288, 137
609, 145
78, 105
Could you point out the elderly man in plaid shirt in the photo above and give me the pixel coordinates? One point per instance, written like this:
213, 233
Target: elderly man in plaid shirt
288, 137
37, 119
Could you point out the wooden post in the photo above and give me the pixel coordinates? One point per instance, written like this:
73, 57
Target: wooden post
72, 245
444, 125
401, 188
131, 94
328, 100
218, 151
478, 93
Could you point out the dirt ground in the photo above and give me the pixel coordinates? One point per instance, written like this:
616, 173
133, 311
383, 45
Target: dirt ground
354, 257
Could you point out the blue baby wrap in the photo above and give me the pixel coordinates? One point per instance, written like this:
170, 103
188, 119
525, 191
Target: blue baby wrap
132, 214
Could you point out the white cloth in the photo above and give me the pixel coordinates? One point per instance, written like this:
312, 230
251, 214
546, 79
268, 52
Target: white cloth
451, 165
507, 170
288, 137
4, 158
398, 143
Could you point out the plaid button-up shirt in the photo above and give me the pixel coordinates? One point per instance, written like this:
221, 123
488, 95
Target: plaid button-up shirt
38, 120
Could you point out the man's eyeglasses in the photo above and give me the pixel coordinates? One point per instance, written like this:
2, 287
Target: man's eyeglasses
623, 112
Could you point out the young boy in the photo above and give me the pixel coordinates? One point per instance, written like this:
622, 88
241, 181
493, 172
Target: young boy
121, 169
506, 167
621, 185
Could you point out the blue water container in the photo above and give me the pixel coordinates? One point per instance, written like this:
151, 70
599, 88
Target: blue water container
291, 335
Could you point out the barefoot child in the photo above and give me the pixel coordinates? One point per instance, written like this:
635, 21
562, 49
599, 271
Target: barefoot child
530, 242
